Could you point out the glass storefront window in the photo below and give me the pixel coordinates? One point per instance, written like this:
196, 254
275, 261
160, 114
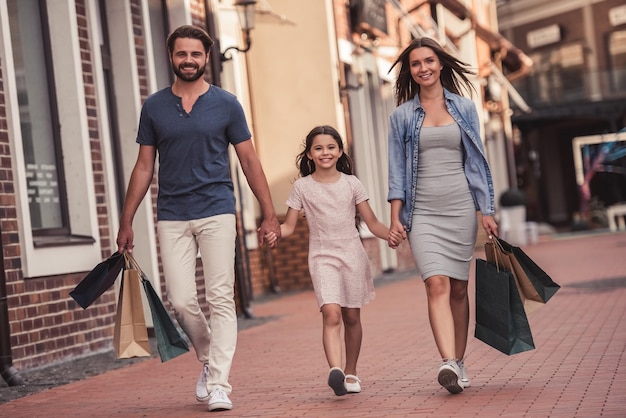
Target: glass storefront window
38, 118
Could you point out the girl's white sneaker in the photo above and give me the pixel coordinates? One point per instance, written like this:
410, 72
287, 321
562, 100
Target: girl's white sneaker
337, 381
353, 387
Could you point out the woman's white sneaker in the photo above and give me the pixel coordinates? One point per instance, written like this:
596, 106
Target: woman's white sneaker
465, 382
449, 376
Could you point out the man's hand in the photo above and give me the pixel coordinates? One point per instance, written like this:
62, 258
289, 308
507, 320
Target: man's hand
125, 238
269, 228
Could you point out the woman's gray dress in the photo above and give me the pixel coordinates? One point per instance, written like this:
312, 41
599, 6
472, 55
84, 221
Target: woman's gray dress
444, 219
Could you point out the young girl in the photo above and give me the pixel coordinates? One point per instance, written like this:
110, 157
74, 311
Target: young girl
330, 196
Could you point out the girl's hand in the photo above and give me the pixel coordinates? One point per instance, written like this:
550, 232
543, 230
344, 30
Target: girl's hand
270, 239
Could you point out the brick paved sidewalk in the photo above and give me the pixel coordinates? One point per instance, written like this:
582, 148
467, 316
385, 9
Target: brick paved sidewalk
577, 370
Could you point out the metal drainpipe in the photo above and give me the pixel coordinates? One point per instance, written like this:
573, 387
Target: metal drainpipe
8, 372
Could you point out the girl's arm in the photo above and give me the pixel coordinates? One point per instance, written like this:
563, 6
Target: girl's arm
375, 226
291, 219
393, 237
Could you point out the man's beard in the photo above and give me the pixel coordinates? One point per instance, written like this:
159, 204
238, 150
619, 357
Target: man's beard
187, 76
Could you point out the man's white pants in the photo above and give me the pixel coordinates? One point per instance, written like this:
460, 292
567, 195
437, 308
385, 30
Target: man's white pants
214, 340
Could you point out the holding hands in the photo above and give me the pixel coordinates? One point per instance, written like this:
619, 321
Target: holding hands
395, 238
269, 228
397, 234
271, 239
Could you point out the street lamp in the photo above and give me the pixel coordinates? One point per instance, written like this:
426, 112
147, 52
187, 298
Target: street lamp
245, 12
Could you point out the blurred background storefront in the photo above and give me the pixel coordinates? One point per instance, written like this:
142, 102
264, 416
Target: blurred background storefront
577, 89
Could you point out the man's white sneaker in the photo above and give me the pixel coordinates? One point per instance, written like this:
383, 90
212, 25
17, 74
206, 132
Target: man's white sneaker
202, 393
449, 376
218, 400
465, 382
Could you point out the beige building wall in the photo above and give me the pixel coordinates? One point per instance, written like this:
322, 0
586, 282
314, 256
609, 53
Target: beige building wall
294, 83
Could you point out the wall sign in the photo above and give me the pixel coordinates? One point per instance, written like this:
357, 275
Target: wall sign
617, 15
369, 16
543, 36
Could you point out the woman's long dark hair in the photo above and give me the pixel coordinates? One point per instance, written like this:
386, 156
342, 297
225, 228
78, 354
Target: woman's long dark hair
307, 166
453, 75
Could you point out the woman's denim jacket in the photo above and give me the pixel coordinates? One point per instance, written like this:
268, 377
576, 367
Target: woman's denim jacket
405, 124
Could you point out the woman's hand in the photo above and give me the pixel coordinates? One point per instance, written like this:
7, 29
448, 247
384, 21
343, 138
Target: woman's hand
490, 226
397, 234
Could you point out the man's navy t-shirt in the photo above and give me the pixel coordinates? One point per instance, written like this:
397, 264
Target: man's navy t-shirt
194, 168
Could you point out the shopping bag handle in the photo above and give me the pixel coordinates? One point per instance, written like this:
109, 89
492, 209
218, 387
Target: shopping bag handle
131, 263
493, 241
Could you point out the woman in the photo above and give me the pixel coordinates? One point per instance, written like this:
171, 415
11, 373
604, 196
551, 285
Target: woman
438, 179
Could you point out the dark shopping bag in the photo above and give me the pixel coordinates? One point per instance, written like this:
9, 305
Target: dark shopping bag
98, 280
527, 271
170, 342
130, 334
501, 321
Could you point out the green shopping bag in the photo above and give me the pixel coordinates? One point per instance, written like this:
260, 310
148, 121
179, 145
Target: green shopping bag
501, 321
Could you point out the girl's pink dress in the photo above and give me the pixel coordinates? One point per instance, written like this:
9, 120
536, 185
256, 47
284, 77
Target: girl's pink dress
339, 266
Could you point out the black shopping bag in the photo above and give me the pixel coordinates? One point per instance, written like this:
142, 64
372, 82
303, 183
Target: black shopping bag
170, 342
501, 321
98, 280
526, 270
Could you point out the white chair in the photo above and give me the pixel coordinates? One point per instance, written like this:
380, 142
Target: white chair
513, 228
616, 212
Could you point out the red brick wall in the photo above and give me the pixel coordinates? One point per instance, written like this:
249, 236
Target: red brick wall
290, 260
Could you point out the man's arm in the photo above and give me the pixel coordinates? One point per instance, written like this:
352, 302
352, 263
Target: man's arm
252, 169
140, 181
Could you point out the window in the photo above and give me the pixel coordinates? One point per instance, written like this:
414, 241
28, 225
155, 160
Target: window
571, 61
558, 75
38, 117
159, 32
47, 123
617, 57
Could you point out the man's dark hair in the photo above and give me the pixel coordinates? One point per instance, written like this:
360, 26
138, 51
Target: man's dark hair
188, 31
